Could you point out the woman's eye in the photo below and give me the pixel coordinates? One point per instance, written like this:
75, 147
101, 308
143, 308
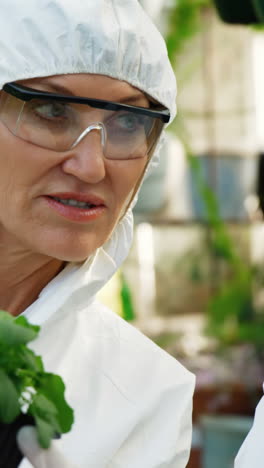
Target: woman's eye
50, 110
130, 122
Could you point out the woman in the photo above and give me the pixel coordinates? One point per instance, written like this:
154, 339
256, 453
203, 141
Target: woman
70, 169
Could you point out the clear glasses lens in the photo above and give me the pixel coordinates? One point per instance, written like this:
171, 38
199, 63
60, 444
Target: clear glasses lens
58, 125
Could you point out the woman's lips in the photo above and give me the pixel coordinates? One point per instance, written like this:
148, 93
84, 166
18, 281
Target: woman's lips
91, 198
76, 213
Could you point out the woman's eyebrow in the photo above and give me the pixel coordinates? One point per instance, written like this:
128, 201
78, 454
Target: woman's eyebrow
51, 87
134, 99
64, 90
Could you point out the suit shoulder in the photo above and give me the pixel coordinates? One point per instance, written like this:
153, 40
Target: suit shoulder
139, 349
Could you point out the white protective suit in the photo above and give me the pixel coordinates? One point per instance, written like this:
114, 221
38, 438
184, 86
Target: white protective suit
251, 453
132, 401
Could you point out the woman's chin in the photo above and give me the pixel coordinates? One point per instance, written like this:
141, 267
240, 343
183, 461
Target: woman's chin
67, 253
74, 248
71, 256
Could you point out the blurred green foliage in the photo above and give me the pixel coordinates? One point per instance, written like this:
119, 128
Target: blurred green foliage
128, 311
183, 23
232, 314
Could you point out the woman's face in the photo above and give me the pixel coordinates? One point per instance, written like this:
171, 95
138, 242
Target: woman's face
30, 219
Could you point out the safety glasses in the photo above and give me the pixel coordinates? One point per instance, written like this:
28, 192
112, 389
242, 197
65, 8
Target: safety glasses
60, 122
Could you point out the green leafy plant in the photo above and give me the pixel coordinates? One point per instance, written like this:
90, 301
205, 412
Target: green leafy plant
184, 22
233, 318
25, 387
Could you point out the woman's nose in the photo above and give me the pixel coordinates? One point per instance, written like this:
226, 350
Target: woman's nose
86, 159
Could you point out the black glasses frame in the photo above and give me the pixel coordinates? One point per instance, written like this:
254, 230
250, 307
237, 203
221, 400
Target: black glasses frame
27, 94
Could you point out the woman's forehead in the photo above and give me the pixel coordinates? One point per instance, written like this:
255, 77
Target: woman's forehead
90, 85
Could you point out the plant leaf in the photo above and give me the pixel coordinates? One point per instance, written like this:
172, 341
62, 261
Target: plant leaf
30, 360
21, 320
20, 370
9, 399
53, 388
12, 333
45, 432
46, 416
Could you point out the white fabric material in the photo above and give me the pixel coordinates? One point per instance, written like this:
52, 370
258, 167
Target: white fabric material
132, 401
251, 453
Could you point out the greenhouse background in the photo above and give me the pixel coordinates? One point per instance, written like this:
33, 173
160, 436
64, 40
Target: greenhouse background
194, 280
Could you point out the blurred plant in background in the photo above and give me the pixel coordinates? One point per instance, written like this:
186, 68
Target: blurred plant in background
233, 317
183, 23
233, 314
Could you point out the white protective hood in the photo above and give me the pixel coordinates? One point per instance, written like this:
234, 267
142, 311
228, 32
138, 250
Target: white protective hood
109, 37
